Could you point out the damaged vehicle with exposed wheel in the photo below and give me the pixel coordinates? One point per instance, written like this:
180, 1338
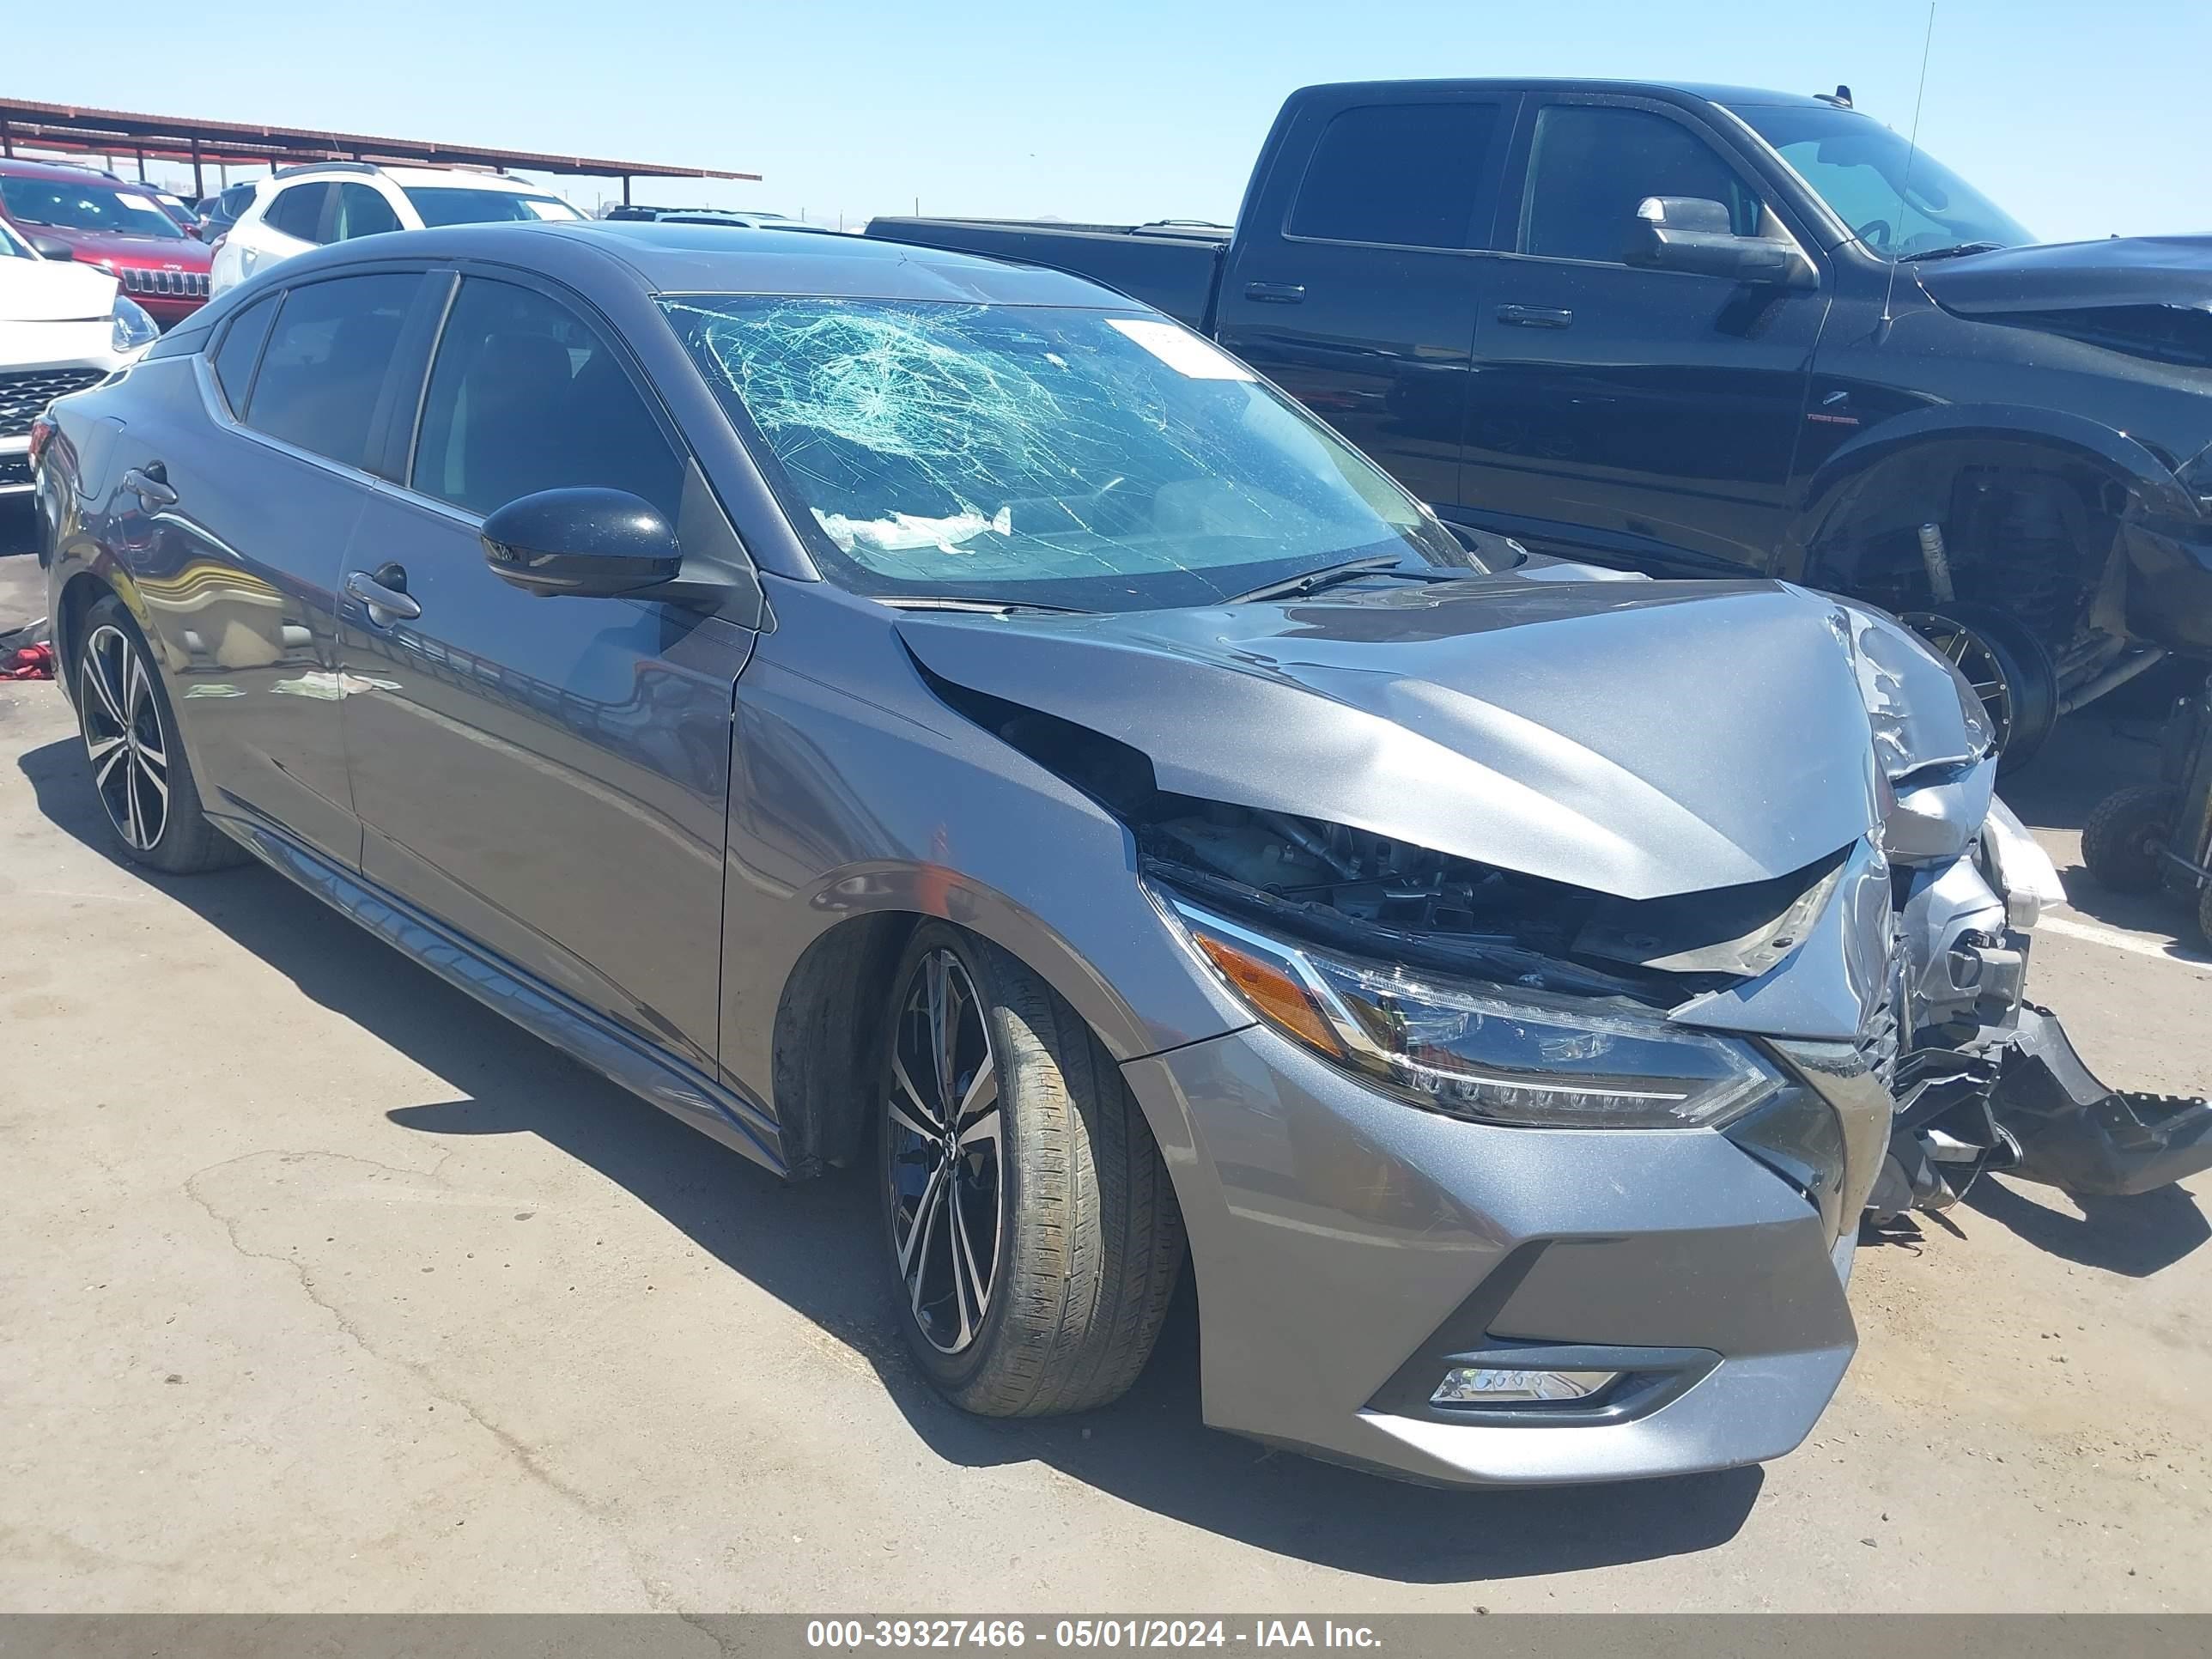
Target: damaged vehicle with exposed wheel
895, 710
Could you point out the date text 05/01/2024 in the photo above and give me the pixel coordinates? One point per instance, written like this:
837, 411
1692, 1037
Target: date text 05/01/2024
1110, 1633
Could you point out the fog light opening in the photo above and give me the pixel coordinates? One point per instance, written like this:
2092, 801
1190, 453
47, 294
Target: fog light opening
1489, 1385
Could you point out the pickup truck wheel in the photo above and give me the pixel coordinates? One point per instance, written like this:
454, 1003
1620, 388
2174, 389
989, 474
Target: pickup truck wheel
2124, 837
2009, 668
1033, 1237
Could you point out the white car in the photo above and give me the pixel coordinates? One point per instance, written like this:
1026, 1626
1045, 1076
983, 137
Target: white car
63, 327
295, 208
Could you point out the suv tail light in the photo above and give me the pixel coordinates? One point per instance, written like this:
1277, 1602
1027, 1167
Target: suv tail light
42, 433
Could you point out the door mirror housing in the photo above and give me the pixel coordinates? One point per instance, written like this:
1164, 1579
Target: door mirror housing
597, 543
1688, 233
50, 248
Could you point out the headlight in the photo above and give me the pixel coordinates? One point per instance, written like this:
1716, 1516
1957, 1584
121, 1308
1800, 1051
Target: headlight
133, 327
1494, 1054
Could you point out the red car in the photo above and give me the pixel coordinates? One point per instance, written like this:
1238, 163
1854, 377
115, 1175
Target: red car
78, 213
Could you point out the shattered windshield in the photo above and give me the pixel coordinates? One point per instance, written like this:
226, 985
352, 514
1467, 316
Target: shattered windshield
1862, 170
1041, 455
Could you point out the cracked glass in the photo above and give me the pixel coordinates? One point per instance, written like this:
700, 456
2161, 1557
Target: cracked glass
1042, 455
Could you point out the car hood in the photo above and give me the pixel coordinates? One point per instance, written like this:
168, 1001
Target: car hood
2122, 271
49, 291
1640, 739
158, 252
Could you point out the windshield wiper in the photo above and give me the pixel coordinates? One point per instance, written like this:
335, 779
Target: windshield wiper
989, 607
1956, 251
1312, 581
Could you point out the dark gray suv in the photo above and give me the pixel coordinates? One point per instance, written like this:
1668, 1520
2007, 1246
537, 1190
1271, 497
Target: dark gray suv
889, 708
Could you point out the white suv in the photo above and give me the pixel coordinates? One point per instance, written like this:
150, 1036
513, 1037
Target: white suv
63, 327
295, 208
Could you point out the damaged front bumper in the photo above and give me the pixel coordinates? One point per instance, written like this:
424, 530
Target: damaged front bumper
2075, 1134
1351, 1252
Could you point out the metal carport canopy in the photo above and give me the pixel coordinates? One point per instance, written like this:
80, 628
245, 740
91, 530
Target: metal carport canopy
76, 128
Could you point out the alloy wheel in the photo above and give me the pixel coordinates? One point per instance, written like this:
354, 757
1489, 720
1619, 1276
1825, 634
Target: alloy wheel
945, 1172
124, 738
1974, 657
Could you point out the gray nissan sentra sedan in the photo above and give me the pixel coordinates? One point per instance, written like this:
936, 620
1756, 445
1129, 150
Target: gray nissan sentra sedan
894, 709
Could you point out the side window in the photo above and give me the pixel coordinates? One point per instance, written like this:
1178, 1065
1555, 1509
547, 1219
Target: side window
235, 358
362, 212
526, 395
297, 210
326, 363
1406, 173
1593, 163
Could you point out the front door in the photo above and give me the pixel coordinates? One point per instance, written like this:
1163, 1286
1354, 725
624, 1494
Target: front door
548, 776
1353, 287
1636, 417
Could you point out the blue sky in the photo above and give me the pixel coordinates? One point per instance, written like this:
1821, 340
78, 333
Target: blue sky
2081, 120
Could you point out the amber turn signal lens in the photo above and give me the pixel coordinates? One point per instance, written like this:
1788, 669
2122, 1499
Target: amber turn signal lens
1270, 992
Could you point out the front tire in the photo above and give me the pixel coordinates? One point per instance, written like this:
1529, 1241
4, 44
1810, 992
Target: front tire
136, 761
1033, 1237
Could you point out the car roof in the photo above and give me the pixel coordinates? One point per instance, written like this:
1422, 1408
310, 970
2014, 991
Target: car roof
462, 177
15, 167
680, 258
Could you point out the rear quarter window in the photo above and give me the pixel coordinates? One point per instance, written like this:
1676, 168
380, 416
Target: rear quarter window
233, 361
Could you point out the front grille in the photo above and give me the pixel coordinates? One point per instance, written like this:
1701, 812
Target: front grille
180, 284
14, 472
1882, 1040
24, 396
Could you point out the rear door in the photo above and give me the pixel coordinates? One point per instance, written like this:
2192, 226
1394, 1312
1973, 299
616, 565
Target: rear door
548, 776
1638, 417
1355, 276
243, 562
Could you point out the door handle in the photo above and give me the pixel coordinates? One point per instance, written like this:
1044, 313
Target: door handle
1534, 316
386, 603
1276, 294
150, 484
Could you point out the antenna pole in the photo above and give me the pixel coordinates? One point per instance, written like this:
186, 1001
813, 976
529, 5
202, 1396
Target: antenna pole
1912, 154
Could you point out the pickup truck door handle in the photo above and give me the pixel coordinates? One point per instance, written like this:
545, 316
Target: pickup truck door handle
385, 594
1276, 294
1534, 317
150, 484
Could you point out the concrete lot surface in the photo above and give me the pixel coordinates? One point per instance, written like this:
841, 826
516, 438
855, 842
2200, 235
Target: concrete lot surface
323, 1289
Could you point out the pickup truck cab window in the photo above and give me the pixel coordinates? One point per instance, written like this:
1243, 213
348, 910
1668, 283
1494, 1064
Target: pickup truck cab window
1592, 163
1407, 174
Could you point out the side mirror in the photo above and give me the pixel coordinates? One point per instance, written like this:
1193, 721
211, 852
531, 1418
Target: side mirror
50, 248
591, 542
1688, 233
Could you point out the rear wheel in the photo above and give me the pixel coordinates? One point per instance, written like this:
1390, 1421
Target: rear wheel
2008, 668
138, 767
2123, 840
1032, 1234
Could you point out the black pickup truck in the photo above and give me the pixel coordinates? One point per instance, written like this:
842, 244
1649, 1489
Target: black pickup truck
1692, 330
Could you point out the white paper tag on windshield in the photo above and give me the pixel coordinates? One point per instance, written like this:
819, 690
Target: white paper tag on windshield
1181, 351
131, 198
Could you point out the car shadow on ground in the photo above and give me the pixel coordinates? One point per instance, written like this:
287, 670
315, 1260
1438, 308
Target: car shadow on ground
814, 1246
2134, 1237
